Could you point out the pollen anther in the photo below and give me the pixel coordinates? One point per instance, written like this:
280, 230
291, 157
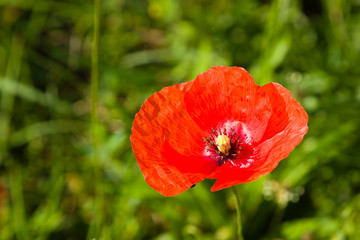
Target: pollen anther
223, 143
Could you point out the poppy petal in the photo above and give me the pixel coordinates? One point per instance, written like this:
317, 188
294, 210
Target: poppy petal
166, 150
279, 140
285, 130
232, 176
211, 99
167, 180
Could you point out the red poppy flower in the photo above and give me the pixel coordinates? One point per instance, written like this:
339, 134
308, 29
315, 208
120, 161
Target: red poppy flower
221, 125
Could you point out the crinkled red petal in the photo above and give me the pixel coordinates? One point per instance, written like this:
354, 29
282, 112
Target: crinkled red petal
211, 99
168, 144
285, 129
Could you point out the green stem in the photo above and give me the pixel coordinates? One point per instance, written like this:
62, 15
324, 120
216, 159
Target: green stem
96, 225
18, 217
238, 211
95, 63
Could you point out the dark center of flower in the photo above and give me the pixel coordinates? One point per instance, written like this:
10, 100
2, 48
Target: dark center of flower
223, 146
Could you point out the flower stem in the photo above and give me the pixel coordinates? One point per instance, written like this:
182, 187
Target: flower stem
238, 211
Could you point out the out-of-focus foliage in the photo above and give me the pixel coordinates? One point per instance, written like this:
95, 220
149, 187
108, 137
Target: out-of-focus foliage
51, 182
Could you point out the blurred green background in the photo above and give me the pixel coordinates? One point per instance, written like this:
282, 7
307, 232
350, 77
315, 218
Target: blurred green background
54, 188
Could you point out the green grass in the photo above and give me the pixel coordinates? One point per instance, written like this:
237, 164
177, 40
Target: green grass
68, 99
